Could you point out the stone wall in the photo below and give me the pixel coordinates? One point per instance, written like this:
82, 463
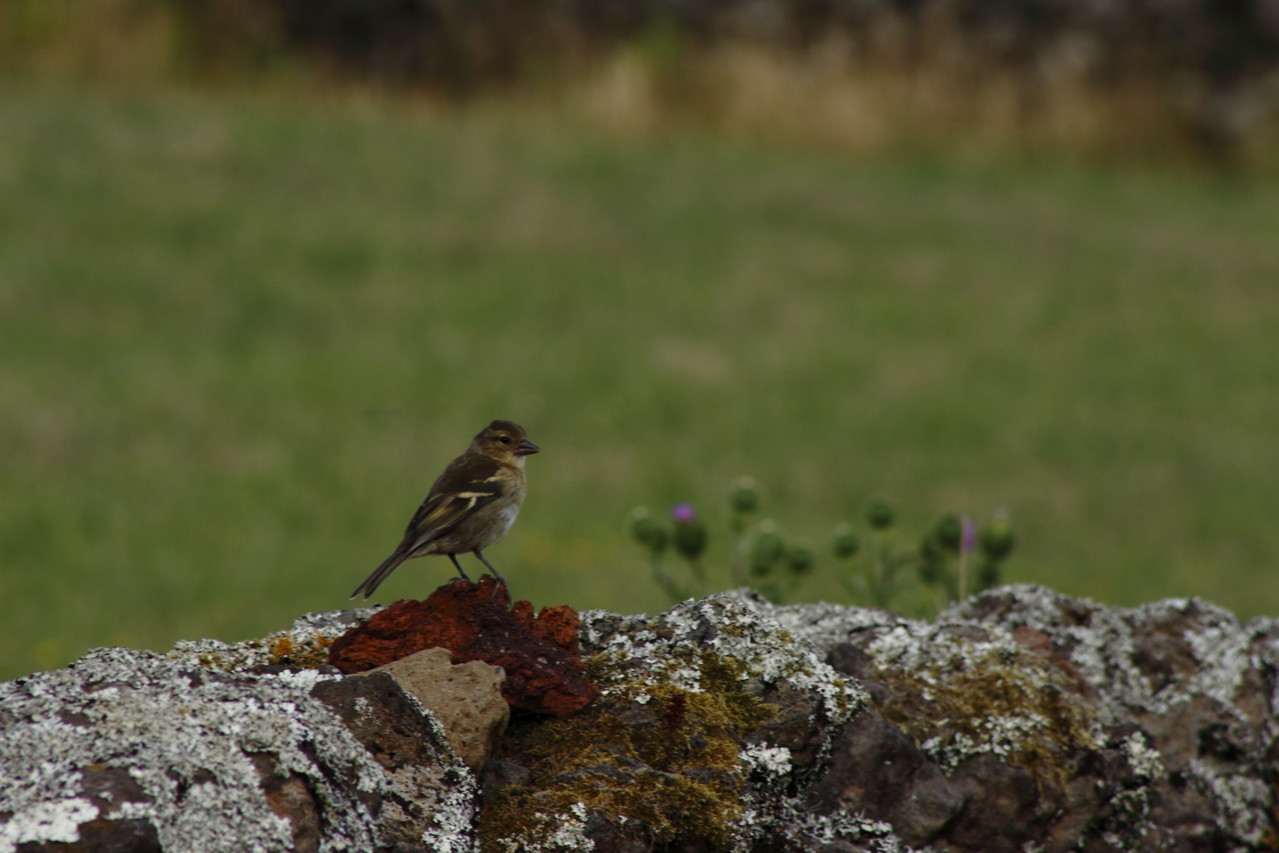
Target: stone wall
1020, 719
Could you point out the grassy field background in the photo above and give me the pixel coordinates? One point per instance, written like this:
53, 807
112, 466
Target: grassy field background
239, 339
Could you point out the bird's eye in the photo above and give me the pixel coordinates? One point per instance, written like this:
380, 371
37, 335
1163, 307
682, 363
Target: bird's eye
505, 439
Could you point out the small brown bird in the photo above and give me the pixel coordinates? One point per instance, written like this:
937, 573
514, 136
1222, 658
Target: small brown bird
471, 505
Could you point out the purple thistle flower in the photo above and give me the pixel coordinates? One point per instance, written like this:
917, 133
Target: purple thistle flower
969, 540
683, 513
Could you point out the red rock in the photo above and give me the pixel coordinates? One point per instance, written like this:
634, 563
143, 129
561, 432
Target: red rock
540, 653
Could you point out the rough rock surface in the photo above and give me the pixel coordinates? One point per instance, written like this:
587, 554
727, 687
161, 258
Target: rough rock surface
428, 798
476, 622
1025, 719
465, 698
1019, 720
211, 747
128, 745
710, 722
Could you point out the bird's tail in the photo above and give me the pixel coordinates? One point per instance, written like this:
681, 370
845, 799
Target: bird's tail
381, 573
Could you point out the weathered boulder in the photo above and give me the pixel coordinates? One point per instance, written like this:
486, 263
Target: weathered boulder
1027, 719
221, 747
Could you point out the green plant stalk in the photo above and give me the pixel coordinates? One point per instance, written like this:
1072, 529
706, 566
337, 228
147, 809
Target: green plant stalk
665, 581
885, 570
739, 562
699, 574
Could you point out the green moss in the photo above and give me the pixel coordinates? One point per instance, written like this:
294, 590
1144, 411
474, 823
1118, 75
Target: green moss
647, 751
1011, 703
527, 818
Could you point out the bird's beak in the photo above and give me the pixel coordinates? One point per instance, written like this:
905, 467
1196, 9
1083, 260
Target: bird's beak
526, 448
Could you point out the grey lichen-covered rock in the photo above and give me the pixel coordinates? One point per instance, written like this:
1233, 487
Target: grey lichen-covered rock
303, 645
210, 747
711, 718
1185, 690
1019, 720
180, 758
1025, 718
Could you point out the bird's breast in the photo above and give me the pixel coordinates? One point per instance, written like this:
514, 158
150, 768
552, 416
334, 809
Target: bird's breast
506, 516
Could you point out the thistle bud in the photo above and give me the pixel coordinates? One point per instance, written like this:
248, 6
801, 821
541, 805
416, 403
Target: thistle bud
949, 532
745, 497
766, 549
879, 515
799, 558
930, 572
997, 537
844, 542
648, 531
690, 533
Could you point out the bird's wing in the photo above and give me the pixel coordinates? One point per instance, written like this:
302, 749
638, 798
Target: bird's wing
456, 495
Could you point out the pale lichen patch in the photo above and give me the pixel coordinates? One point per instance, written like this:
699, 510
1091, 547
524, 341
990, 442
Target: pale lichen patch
186, 741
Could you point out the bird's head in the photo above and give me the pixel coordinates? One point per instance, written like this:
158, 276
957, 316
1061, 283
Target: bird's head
504, 440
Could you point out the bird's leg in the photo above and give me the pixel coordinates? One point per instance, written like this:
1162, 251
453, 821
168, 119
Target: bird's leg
458, 566
495, 572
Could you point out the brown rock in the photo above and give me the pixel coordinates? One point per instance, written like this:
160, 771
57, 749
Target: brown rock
879, 772
466, 699
475, 622
423, 774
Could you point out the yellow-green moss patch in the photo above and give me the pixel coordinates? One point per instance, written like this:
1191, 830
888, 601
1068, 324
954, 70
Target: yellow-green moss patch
986, 698
665, 756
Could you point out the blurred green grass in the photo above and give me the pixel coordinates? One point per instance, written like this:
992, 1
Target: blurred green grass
239, 339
